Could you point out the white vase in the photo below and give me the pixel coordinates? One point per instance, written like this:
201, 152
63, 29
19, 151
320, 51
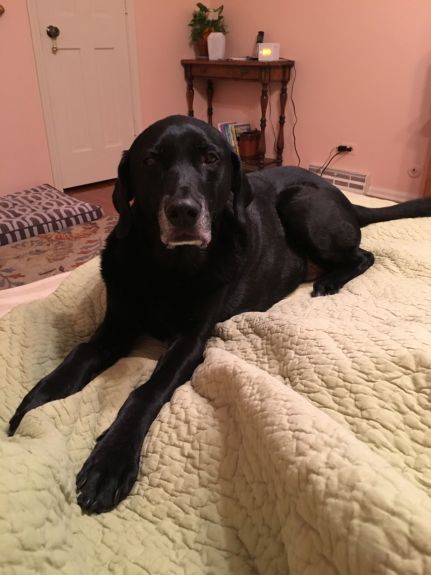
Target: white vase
216, 45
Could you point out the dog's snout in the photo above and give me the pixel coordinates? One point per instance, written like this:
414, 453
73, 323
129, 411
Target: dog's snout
182, 212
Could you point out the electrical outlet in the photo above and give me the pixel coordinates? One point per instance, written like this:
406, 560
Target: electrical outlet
349, 144
414, 172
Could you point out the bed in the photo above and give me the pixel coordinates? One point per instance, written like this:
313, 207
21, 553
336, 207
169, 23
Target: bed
302, 444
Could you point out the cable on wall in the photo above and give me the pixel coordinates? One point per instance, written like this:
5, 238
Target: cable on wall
326, 164
294, 115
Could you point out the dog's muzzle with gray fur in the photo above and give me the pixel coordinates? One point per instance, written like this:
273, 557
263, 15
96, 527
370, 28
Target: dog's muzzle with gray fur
183, 224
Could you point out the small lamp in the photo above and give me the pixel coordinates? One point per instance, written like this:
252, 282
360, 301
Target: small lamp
268, 51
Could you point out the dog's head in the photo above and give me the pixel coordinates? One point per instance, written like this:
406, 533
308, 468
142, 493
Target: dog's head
180, 172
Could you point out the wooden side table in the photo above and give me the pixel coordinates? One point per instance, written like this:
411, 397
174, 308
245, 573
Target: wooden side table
244, 70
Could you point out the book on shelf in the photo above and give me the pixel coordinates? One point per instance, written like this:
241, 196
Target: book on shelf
231, 130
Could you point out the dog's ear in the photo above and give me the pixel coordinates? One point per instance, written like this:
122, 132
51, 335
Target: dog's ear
242, 192
122, 196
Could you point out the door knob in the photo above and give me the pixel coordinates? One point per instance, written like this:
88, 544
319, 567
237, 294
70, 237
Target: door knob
53, 32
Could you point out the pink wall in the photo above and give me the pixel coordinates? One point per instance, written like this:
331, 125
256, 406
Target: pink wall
163, 40
24, 157
364, 77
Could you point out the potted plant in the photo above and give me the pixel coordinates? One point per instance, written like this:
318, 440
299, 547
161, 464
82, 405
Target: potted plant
203, 22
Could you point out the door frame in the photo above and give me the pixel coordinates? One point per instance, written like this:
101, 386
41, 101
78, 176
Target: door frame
132, 49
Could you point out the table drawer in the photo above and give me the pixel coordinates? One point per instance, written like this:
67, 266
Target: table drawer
226, 72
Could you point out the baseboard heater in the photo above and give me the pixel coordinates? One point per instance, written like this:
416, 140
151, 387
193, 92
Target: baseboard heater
343, 179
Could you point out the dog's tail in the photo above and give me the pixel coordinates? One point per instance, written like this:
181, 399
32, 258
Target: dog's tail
412, 209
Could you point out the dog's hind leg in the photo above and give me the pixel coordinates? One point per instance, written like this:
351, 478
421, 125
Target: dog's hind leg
335, 247
332, 281
322, 225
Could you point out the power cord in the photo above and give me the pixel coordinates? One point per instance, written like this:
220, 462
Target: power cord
341, 150
270, 118
337, 153
295, 116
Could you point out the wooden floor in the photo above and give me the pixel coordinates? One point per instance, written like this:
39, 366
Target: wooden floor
99, 193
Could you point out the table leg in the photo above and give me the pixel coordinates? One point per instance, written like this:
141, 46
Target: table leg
190, 92
210, 93
263, 107
281, 121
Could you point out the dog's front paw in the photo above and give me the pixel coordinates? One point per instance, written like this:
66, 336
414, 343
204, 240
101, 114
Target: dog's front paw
108, 475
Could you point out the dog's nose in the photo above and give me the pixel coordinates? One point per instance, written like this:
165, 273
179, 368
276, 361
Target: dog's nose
182, 212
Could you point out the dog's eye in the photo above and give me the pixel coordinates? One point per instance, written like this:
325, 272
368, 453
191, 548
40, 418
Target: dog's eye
150, 161
210, 158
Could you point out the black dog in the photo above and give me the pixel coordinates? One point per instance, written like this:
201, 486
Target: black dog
196, 243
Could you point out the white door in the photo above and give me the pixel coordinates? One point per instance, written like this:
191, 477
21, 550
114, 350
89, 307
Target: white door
87, 84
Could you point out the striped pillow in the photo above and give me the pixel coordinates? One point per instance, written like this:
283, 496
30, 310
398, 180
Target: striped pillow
39, 210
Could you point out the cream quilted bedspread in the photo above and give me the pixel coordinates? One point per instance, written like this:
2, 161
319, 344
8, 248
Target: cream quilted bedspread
301, 446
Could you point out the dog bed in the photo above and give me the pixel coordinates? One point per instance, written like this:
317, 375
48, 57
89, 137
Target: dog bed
302, 444
40, 210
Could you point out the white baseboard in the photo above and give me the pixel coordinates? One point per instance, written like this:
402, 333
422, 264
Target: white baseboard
387, 194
